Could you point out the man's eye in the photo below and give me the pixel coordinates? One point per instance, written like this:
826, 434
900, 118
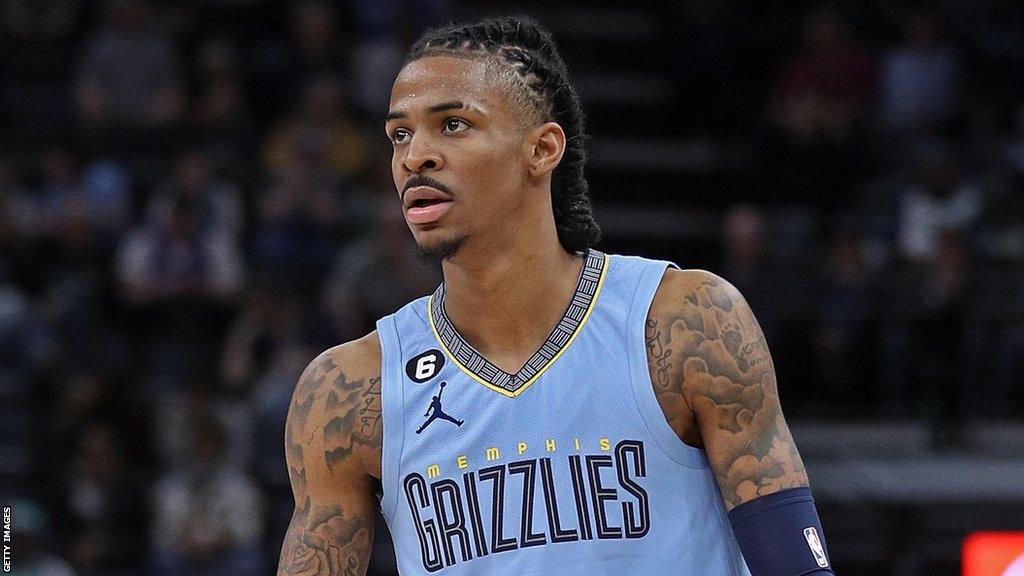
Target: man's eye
400, 136
455, 125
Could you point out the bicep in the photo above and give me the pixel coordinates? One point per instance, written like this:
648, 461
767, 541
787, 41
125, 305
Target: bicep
727, 378
329, 442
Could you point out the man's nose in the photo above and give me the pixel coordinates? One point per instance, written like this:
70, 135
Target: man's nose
422, 156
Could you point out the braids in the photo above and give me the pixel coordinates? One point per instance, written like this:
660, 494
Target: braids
538, 81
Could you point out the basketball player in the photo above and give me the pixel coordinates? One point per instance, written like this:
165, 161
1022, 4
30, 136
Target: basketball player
602, 414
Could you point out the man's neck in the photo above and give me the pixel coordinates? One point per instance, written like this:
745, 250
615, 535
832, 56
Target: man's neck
505, 303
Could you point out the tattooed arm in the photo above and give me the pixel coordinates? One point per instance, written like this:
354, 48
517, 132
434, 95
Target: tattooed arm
714, 379
333, 446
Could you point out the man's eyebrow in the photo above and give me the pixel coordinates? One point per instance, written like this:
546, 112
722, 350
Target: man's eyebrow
450, 105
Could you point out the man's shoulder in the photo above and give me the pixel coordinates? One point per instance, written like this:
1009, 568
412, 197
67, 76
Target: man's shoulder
359, 355
352, 365
693, 287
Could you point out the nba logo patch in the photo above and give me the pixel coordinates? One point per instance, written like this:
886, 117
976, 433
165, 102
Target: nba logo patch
814, 543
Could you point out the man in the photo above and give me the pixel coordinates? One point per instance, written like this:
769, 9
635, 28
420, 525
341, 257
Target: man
617, 414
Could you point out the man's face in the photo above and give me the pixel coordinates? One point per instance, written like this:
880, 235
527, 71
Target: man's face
459, 159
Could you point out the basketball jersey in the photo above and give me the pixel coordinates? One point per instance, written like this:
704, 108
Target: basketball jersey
566, 467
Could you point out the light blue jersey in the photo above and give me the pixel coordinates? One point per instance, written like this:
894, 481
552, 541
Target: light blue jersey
567, 467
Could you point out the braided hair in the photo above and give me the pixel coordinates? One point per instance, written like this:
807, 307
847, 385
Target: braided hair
538, 80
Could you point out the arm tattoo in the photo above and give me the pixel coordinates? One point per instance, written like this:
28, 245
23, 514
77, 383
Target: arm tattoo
333, 423
325, 544
356, 410
708, 352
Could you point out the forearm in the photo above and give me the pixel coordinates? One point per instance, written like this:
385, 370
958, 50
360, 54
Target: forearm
781, 535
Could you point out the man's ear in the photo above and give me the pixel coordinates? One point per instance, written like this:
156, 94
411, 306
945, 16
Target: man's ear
547, 144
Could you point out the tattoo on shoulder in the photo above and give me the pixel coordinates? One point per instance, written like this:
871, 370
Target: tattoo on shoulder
707, 351
355, 406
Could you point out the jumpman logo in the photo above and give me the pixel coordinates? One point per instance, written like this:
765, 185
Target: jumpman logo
435, 412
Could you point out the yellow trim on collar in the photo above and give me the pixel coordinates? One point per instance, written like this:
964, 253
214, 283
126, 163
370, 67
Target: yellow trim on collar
526, 384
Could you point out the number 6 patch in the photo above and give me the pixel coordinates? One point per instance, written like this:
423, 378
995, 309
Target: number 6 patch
425, 366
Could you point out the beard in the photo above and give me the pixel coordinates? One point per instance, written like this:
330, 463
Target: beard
442, 249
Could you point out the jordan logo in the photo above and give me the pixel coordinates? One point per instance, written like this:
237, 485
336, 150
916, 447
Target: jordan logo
435, 412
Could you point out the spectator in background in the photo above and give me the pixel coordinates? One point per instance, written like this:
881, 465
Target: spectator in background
746, 262
84, 209
200, 391
846, 307
216, 202
209, 515
129, 75
924, 346
940, 200
221, 104
180, 281
375, 276
16, 206
920, 78
299, 219
267, 346
172, 257
384, 28
22, 354
1002, 240
321, 122
102, 509
824, 91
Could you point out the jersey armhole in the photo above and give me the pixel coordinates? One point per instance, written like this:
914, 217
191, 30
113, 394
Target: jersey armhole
640, 375
392, 401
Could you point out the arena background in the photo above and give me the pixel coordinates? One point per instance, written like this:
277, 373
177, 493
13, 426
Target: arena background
195, 199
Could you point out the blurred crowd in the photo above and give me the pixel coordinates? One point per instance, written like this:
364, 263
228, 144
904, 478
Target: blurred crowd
195, 199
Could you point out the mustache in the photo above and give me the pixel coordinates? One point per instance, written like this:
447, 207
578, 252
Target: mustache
421, 180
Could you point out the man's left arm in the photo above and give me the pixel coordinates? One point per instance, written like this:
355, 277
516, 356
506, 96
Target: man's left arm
716, 382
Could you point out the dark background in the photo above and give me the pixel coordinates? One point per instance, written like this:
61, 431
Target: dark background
195, 199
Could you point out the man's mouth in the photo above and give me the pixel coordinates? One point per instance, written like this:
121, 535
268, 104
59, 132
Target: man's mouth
427, 202
424, 205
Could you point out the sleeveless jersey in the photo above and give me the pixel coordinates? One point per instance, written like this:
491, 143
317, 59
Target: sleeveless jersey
567, 467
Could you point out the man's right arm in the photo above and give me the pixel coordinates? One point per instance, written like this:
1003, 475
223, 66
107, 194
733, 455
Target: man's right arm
333, 443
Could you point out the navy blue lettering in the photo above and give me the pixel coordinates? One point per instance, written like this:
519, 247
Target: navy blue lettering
599, 494
426, 530
527, 538
636, 518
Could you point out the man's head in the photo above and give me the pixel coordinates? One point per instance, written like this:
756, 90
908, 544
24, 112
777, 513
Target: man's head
484, 124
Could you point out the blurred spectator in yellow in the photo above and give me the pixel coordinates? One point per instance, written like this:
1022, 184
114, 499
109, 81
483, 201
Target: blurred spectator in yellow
321, 124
